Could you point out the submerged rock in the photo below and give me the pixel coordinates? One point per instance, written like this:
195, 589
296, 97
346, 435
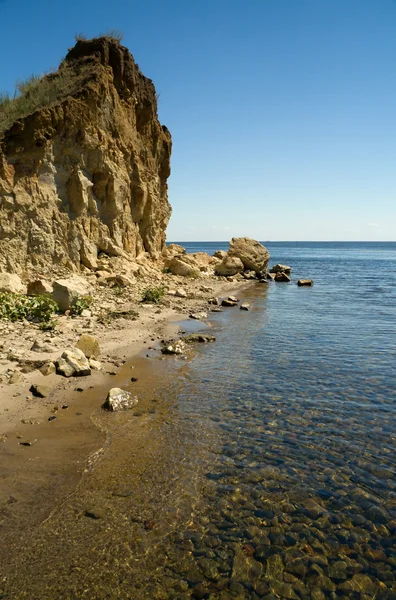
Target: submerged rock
245, 306
118, 399
176, 347
282, 277
199, 337
227, 302
305, 282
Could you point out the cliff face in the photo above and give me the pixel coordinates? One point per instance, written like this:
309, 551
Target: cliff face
88, 173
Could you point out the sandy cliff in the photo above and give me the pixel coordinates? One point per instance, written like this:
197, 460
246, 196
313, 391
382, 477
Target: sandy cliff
88, 171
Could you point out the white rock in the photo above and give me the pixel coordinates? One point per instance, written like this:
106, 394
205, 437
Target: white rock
118, 399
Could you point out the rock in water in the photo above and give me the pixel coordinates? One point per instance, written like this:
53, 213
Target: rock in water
89, 344
305, 282
280, 269
73, 363
87, 172
118, 399
245, 306
254, 255
282, 277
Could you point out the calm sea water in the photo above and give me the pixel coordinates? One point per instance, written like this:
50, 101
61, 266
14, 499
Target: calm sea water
269, 463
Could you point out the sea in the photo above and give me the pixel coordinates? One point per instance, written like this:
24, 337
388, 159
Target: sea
273, 470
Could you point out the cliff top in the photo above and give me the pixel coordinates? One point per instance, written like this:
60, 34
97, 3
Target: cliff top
82, 64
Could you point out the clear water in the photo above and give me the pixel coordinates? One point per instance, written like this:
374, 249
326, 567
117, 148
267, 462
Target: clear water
269, 460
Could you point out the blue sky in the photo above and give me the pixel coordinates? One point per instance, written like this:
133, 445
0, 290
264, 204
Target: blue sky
282, 112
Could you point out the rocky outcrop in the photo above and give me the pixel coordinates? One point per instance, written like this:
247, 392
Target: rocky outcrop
87, 172
254, 255
230, 265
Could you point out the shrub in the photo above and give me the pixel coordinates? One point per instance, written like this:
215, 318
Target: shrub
153, 294
38, 309
80, 304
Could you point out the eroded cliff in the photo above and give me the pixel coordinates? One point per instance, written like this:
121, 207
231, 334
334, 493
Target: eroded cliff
86, 172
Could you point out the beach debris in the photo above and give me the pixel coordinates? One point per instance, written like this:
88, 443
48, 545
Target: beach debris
89, 344
39, 390
305, 282
118, 399
282, 277
245, 306
73, 363
201, 338
278, 268
48, 369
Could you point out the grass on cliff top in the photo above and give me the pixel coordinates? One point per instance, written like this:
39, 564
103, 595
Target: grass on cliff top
40, 92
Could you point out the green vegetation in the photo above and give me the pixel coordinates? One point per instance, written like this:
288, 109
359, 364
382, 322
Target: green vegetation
112, 34
38, 92
153, 294
38, 309
80, 304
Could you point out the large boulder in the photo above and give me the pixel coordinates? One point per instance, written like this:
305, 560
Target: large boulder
118, 399
254, 255
89, 344
230, 265
66, 291
73, 363
10, 282
173, 250
184, 266
278, 268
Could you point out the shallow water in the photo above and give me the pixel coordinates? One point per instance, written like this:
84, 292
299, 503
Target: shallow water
263, 468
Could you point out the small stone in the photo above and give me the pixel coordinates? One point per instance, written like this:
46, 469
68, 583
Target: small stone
228, 303
118, 399
245, 306
37, 347
95, 364
93, 513
52, 418
86, 313
28, 442
73, 362
48, 369
305, 282
16, 377
198, 316
134, 379
64, 406
232, 299
181, 293
39, 390
89, 345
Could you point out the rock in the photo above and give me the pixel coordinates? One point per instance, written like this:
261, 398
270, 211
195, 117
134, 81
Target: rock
253, 255
176, 347
120, 281
73, 363
271, 276
230, 265
220, 254
181, 293
39, 390
118, 399
199, 337
214, 301
305, 282
95, 365
173, 250
16, 377
249, 275
171, 292
97, 185
198, 316
280, 269
226, 302
233, 299
89, 344
38, 347
93, 513
377, 514
67, 291
39, 287
245, 568
10, 282
28, 442
86, 313
281, 277
184, 266
48, 369
245, 306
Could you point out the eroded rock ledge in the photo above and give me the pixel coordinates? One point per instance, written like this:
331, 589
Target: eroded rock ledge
88, 172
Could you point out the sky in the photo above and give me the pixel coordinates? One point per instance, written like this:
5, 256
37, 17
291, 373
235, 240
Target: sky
282, 112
